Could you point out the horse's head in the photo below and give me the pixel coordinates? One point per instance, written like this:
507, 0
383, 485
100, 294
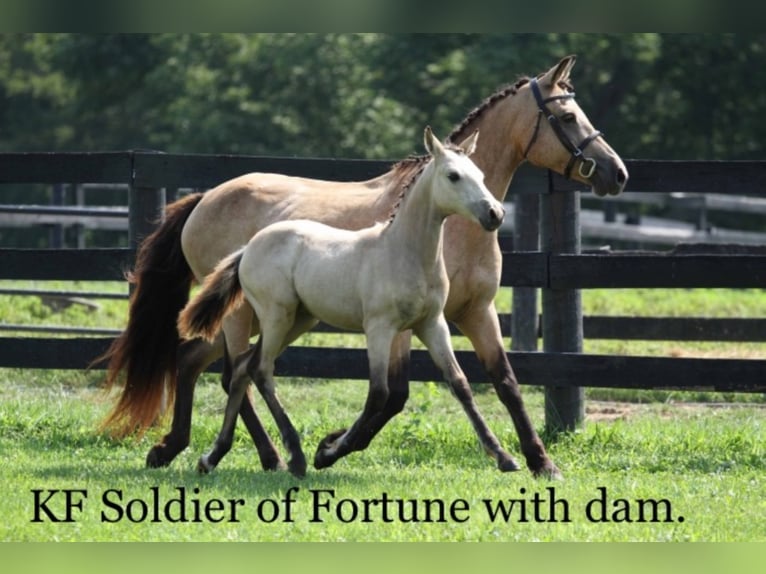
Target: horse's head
459, 184
561, 137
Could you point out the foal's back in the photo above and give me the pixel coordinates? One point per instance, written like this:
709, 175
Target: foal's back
322, 269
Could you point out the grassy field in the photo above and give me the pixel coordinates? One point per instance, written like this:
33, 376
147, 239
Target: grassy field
647, 466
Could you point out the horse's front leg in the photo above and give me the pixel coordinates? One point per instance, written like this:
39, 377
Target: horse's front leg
340, 443
398, 391
482, 328
435, 336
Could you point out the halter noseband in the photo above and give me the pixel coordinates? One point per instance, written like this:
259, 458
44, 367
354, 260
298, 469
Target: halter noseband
575, 150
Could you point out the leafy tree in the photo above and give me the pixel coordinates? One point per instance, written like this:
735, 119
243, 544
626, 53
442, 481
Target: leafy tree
368, 95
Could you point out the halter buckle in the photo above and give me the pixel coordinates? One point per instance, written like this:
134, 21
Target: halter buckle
587, 172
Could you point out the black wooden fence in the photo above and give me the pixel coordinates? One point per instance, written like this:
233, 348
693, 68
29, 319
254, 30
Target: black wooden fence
557, 268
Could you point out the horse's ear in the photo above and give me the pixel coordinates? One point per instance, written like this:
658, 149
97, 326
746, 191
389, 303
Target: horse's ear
432, 143
560, 72
469, 144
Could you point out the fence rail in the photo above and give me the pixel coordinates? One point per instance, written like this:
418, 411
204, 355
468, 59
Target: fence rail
558, 268
532, 368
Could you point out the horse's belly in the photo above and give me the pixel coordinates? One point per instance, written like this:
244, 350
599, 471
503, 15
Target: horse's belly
326, 283
331, 301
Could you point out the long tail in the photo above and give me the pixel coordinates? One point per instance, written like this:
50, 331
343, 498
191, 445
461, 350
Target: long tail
220, 294
144, 355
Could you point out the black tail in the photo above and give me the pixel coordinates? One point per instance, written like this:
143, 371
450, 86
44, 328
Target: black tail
144, 355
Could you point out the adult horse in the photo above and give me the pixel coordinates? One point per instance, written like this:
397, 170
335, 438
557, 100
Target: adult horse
535, 120
382, 280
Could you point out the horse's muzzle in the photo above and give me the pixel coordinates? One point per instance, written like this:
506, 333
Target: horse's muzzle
493, 217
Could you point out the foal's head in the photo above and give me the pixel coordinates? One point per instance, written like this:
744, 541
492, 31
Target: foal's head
459, 184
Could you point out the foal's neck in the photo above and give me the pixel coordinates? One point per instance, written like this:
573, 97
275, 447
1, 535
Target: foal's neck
416, 228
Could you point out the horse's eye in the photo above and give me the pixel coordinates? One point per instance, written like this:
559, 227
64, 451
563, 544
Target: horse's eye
453, 176
568, 118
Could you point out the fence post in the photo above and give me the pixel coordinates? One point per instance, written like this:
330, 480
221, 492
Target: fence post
526, 237
56, 234
145, 208
562, 308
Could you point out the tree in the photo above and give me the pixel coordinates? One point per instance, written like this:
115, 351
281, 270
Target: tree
368, 95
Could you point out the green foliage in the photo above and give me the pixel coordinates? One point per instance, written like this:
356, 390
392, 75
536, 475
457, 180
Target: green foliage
666, 96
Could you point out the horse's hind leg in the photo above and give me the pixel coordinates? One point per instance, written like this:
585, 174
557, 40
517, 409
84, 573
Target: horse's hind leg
278, 331
193, 357
435, 337
237, 328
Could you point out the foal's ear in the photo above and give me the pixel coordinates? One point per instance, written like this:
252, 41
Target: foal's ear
560, 72
469, 144
432, 143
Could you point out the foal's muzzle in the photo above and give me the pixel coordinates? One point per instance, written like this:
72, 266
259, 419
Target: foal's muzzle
493, 217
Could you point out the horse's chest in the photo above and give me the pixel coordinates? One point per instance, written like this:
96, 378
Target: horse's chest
419, 301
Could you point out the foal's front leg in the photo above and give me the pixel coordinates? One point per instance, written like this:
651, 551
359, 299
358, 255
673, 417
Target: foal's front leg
398, 392
435, 336
340, 443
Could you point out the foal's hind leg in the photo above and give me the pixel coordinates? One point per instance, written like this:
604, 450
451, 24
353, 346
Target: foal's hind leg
238, 328
279, 330
435, 337
193, 358
223, 442
267, 452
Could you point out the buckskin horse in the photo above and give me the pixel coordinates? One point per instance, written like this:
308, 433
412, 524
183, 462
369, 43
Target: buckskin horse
382, 280
535, 119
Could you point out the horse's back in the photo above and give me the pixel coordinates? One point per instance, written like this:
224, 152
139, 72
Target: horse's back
231, 213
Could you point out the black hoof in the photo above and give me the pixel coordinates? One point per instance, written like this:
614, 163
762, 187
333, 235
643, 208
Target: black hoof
204, 466
157, 458
273, 464
549, 472
508, 465
322, 459
297, 467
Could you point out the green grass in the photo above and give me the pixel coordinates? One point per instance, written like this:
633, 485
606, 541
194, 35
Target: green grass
706, 459
707, 462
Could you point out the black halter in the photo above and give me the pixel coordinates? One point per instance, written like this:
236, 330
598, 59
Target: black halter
575, 150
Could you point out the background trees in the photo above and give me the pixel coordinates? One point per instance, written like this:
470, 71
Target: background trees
692, 96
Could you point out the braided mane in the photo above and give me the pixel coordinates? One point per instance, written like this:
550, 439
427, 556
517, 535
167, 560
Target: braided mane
510, 90
408, 171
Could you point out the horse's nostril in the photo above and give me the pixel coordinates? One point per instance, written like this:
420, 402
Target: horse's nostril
622, 177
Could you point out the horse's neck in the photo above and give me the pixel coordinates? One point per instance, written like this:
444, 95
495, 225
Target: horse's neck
417, 226
498, 151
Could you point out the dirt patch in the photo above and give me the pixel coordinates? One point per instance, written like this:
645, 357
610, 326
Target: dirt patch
608, 411
600, 411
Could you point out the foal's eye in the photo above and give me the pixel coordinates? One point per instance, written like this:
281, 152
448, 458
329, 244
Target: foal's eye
568, 118
453, 176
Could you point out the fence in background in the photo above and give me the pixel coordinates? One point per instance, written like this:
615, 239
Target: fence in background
547, 258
